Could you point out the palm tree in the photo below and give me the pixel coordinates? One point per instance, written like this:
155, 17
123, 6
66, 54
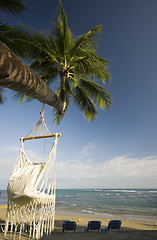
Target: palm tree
14, 7
81, 72
17, 76
23, 81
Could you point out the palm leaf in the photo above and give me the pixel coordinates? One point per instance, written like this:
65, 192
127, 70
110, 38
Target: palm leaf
85, 42
10, 36
49, 76
84, 102
2, 98
92, 67
22, 98
62, 34
14, 7
98, 93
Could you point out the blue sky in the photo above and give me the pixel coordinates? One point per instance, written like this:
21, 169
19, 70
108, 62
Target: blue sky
118, 149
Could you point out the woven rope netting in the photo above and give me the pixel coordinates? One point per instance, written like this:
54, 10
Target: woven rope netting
31, 188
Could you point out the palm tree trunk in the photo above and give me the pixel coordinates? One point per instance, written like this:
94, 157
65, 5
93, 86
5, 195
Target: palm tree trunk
63, 90
16, 76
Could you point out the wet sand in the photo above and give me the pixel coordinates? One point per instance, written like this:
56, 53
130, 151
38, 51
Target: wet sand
130, 230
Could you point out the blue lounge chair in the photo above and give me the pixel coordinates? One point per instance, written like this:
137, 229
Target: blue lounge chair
14, 227
113, 224
93, 225
2, 226
69, 226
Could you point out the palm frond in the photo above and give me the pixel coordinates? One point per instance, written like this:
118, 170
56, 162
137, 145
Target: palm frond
39, 48
22, 98
49, 76
84, 102
2, 98
62, 34
52, 44
10, 36
84, 43
84, 59
14, 7
98, 93
58, 116
93, 67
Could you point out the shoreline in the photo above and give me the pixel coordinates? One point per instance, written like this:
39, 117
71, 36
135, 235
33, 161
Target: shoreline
109, 217
82, 221
130, 230
90, 215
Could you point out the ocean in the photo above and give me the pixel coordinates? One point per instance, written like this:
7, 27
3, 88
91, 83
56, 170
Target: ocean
127, 204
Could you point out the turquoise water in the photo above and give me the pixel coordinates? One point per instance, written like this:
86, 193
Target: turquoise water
131, 204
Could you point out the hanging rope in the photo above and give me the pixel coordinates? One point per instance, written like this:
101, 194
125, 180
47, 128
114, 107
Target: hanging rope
42, 111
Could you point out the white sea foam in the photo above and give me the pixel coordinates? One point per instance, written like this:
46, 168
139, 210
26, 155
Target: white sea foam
97, 190
139, 204
106, 194
87, 211
123, 190
93, 190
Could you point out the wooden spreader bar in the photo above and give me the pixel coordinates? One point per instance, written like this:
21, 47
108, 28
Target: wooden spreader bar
38, 137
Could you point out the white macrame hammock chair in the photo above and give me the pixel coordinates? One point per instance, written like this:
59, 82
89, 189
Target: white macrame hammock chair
31, 189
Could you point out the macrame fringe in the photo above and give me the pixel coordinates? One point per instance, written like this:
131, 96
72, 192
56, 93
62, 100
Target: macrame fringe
35, 218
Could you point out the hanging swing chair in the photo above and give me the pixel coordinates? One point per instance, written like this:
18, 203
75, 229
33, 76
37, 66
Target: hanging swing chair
31, 188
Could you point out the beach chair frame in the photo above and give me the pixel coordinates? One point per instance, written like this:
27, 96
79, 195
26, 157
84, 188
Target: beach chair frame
69, 226
114, 225
93, 225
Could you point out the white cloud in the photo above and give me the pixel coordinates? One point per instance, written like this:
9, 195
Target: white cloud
87, 172
118, 172
87, 149
9, 149
34, 157
8, 156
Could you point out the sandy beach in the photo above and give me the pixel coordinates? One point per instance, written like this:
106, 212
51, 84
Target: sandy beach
130, 230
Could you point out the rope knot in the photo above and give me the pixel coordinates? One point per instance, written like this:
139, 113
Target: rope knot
42, 112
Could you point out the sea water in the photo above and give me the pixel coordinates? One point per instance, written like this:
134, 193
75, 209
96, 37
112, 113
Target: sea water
128, 204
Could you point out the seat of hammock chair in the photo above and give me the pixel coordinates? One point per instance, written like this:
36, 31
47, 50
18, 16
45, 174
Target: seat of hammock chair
22, 185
